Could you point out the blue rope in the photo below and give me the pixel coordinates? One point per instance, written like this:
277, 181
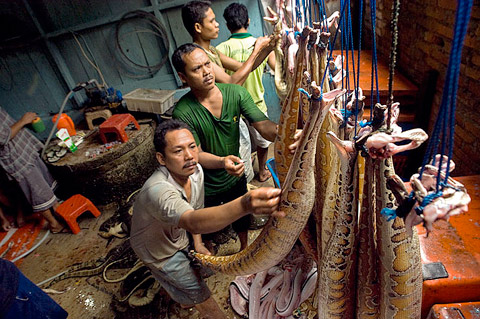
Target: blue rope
445, 123
364, 123
426, 201
373, 13
358, 63
352, 47
329, 56
388, 213
342, 26
324, 13
301, 90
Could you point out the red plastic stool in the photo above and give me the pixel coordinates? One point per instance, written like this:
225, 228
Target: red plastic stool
74, 207
117, 124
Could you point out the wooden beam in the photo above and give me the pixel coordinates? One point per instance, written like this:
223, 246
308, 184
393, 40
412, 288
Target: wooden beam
113, 18
56, 55
159, 16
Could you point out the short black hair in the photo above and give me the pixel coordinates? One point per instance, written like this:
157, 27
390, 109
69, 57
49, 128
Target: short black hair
194, 12
177, 56
162, 130
236, 16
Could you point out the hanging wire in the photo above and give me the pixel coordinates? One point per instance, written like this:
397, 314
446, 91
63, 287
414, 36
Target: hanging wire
94, 65
393, 58
157, 29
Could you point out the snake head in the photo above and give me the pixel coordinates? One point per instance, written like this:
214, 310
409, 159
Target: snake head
344, 148
274, 18
378, 116
324, 36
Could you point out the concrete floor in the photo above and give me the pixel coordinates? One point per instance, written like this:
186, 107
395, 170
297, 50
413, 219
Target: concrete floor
92, 297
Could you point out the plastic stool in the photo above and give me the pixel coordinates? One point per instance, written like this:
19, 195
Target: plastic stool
95, 115
74, 207
117, 124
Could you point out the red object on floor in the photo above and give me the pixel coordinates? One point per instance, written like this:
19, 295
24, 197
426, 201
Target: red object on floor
22, 239
453, 252
116, 124
466, 310
74, 207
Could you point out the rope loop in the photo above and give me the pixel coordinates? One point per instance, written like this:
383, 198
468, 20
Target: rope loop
426, 201
309, 96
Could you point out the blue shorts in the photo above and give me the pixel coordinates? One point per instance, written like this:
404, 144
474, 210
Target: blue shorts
181, 281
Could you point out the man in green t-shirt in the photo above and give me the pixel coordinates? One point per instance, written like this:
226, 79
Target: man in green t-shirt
200, 22
239, 47
213, 110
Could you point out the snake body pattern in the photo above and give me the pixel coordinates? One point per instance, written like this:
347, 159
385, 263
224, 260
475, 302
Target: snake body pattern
400, 267
337, 272
368, 285
288, 118
279, 234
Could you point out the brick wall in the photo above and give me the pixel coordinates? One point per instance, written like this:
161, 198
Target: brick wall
424, 42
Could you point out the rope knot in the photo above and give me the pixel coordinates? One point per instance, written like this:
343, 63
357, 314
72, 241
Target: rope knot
426, 201
309, 96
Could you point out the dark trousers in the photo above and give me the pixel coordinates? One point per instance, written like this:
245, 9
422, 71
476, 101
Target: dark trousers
31, 302
240, 225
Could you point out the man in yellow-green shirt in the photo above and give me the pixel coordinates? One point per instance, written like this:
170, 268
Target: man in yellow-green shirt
239, 47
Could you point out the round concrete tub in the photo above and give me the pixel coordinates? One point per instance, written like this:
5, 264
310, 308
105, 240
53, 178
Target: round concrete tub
110, 176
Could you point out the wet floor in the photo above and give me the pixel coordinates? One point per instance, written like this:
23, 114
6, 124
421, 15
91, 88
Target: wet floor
91, 296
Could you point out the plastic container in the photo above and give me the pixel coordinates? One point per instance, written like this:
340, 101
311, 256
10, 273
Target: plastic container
66, 123
65, 137
37, 125
149, 100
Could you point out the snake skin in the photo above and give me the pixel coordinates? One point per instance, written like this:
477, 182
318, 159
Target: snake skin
279, 234
337, 272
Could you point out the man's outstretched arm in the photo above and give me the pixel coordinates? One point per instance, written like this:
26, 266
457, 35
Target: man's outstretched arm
263, 200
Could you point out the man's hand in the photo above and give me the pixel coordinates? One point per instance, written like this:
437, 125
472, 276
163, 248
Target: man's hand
27, 118
264, 42
233, 165
200, 248
263, 200
293, 147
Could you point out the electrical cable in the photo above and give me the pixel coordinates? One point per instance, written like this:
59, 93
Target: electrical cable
95, 65
56, 122
158, 29
69, 95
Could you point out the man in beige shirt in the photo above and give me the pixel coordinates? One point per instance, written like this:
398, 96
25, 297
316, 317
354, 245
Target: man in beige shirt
171, 203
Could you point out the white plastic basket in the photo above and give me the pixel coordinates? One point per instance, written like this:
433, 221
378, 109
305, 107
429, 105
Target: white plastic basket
149, 100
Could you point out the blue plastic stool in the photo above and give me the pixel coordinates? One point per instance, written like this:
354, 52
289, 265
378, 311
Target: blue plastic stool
273, 170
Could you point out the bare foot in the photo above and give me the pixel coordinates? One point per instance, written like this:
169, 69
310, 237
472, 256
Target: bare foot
6, 225
264, 175
60, 230
20, 219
